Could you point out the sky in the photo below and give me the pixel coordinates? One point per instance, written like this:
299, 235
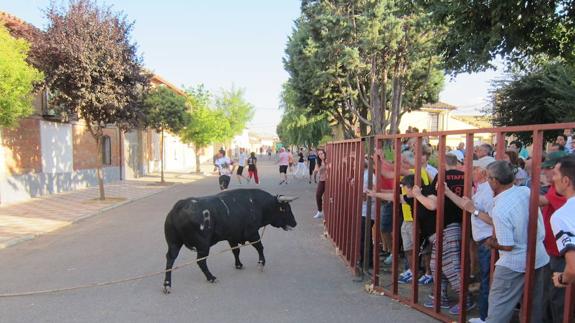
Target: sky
225, 43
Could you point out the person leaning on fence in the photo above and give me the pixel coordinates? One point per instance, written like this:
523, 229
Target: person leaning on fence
510, 216
550, 202
408, 164
364, 207
321, 171
451, 256
563, 221
479, 208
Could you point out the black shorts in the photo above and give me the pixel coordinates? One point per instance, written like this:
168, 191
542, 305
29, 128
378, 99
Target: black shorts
311, 168
283, 169
224, 181
240, 170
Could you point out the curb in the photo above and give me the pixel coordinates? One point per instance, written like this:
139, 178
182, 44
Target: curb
17, 240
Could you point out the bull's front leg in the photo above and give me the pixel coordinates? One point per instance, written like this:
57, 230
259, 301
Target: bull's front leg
236, 251
202, 254
260, 248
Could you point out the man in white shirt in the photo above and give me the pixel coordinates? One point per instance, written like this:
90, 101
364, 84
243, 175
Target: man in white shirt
510, 216
224, 164
479, 209
241, 163
563, 220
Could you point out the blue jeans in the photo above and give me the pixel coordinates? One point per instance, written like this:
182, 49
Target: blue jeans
484, 255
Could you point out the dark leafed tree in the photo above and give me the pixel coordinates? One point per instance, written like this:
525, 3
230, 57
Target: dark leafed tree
92, 67
479, 31
545, 94
165, 110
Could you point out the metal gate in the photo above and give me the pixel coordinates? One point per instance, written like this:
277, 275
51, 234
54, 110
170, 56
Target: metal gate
343, 199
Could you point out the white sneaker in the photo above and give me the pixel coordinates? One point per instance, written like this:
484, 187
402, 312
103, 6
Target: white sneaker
318, 215
476, 320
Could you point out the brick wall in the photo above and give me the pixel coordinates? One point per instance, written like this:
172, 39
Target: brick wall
22, 147
85, 149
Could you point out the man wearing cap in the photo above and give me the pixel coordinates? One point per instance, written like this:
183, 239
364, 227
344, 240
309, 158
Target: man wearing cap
553, 297
479, 207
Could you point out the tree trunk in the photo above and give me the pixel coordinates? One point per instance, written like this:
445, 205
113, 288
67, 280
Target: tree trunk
198, 170
99, 168
162, 157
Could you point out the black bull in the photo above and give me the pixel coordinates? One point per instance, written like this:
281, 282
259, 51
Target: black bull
234, 215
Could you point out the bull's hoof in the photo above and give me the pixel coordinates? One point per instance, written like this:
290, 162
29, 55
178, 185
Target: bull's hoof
261, 265
239, 266
167, 290
213, 280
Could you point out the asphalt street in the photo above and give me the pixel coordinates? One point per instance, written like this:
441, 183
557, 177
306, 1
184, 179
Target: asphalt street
304, 280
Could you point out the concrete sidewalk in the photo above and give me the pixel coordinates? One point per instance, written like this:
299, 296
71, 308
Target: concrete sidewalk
26, 220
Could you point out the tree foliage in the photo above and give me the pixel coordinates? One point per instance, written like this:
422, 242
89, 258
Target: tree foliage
543, 95
479, 31
238, 112
298, 127
368, 61
165, 110
206, 125
17, 79
92, 68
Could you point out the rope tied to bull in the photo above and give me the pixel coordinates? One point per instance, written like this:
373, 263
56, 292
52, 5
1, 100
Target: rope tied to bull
125, 280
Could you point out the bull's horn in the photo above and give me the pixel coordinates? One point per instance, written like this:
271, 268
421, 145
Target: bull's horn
286, 199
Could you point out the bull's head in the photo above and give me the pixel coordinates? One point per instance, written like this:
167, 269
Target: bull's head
282, 216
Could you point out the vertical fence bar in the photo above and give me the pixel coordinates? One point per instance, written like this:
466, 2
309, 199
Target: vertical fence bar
526, 305
415, 233
439, 225
396, 214
465, 232
376, 157
347, 210
358, 191
329, 198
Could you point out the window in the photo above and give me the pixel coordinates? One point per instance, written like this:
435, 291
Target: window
435, 121
106, 150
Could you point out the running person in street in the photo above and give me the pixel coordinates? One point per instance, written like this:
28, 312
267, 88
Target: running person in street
311, 159
241, 163
223, 165
252, 168
283, 163
300, 170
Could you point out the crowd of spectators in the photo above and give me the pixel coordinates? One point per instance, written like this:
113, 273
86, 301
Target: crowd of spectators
499, 216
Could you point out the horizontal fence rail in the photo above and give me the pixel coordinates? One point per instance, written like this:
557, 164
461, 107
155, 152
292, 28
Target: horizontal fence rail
343, 208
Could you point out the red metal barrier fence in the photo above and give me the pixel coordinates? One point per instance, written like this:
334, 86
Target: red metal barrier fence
343, 200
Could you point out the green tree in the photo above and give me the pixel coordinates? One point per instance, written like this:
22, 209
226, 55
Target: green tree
298, 126
479, 31
165, 110
542, 95
205, 125
232, 104
17, 79
92, 68
367, 61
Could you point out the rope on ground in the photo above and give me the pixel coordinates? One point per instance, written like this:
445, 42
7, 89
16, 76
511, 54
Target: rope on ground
125, 280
